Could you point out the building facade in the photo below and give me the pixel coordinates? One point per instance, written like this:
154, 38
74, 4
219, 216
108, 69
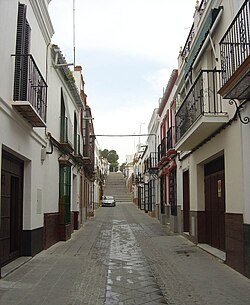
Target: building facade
202, 135
47, 136
212, 90
23, 94
167, 156
151, 166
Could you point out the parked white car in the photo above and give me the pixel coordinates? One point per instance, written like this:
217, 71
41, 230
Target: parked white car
108, 201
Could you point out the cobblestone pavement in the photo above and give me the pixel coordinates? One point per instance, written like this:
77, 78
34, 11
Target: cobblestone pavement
130, 278
123, 257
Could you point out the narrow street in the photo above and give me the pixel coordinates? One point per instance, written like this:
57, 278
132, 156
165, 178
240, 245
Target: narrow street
122, 256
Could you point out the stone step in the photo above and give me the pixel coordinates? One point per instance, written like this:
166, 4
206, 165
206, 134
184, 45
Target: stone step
115, 186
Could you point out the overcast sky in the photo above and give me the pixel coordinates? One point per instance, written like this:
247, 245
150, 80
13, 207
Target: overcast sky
128, 49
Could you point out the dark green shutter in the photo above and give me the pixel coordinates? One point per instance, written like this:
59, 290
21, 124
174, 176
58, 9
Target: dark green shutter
22, 48
65, 190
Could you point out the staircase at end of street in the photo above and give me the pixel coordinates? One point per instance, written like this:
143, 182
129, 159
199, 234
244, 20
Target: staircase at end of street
116, 186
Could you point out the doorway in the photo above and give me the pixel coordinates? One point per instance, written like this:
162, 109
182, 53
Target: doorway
11, 208
186, 202
215, 203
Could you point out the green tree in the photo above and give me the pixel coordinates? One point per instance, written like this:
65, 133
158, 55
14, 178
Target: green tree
112, 157
104, 153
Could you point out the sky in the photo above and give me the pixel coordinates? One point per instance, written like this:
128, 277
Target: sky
127, 49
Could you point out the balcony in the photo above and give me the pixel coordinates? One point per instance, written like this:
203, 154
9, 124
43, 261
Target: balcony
201, 113
166, 149
30, 91
65, 141
139, 179
170, 142
88, 156
191, 36
77, 156
151, 163
77, 151
162, 149
235, 57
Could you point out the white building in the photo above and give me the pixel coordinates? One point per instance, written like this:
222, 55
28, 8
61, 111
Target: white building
167, 156
47, 136
64, 207
212, 142
151, 165
204, 146
23, 103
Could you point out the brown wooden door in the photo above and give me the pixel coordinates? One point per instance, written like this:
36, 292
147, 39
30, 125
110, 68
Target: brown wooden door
215, 209
186, 202
11, 208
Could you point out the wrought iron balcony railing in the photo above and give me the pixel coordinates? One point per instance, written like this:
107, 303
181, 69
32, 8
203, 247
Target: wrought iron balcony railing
64, 130
159, 152
170, 138
77, 151
163, 147
151, 162
187, 46
139, 178
235, 44
201, 99
29, 84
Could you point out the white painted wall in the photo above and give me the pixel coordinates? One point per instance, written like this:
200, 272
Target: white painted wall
229, 142
51, 182
21, 140
233, 141
56, 82
8, 17
17, 136
246, 165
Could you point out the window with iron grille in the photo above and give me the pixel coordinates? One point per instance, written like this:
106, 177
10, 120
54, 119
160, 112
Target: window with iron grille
142, 202
151, 195
162, 194
139, 196
172, 192
146, 196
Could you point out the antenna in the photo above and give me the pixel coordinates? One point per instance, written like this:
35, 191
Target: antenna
74, 34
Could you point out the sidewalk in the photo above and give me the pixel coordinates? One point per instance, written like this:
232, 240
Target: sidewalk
79, 271
68, 273
187, 274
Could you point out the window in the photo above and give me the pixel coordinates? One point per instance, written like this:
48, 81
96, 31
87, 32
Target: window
146, 197
172, 192
151, 194
76, 138
64, 122
162, 193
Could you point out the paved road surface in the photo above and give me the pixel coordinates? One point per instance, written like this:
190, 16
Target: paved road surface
123, 257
